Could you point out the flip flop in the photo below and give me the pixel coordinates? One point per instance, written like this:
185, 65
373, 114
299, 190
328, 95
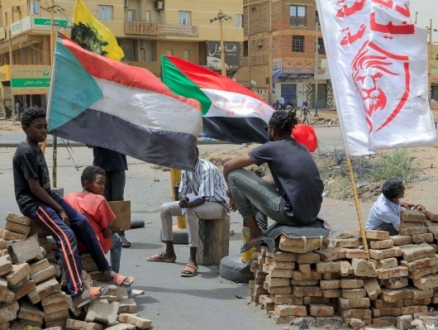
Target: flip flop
125, 242
122, 280
95, 293
192, 271
246, 247
160, 257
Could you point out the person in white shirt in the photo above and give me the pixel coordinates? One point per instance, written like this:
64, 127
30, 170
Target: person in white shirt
385, 213
282, 102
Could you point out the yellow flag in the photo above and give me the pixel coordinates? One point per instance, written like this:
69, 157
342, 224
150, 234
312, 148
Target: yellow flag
92, 35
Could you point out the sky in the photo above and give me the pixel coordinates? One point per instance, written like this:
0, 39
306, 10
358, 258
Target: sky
427, 9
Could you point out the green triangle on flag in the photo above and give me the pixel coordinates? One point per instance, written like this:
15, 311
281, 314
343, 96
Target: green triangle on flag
180, 85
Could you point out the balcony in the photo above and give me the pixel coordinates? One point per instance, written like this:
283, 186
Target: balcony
141, 28
154, 66
156, 29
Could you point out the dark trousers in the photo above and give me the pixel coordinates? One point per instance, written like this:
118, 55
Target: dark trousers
115, 185
65, 238
389, 227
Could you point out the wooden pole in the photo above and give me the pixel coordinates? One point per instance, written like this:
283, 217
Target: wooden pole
429, 66
357, 203
221, 25
55, 139
271, 83
11, 61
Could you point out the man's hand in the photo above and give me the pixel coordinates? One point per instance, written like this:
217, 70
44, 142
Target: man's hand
232, 205
183, 202
412, 206
64, 217
419, 207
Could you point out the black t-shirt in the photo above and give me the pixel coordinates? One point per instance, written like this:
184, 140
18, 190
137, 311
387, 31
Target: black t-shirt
296, 176
29, 163
109, 160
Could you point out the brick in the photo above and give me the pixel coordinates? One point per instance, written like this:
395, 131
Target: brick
18, 273
304, 282
43, 290
384, 274
347, 243
423, 272
387, 263
298, 276
346, 303
384, 321
386, 311
308, 258
375, 234
422, 238
39, 266
321, 311
334, 293
25, 251
335, 322
11, 236
56, 323
81, 325
401, 240
413, 231
394, 295
356, 254
354, 293
351, 283
328, 267
379, 304
420, 294
126, 326
54, 308
282, 273
276, 281
414, 309
30, 312
24, 280
431, 216
412, 216
20, 219
291, 310
404, 322
379, 245
331, 254
415, 252
284, 256
280, 290
418, 264
433, 230
345, 269
283, 264
139, 322
372, 288
8, 312
384, 254
6, 296
361, 314
3, 244
5, 265
330, 285
17, 228
43, 274
307, 291
299, 245
289, 299
364, 268
63, 314
395, 283
130, 306
427, 282
102, 313
304, 268
24, 289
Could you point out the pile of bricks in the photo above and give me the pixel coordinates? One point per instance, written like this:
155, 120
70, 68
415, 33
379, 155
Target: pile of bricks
32, 283
335, 284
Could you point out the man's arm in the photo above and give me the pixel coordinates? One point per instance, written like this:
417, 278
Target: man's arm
409, 205
236, 163
44, 197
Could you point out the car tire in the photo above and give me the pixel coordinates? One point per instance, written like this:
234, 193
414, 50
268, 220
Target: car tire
231, 268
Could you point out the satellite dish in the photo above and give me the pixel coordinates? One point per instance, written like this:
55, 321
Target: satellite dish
253, 82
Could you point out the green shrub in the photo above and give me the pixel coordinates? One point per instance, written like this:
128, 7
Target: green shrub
397, 163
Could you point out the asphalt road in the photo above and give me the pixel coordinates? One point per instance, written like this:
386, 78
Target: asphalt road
170, 301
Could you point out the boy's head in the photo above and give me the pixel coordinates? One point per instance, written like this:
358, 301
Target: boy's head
34, 124
93, 180
393, 189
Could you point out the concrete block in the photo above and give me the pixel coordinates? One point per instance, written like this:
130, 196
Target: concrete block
55, 308
379, 245
331, 254
81, 325
8, 312
25, 251
372, 288
347, 303
394, 295
44, 274
383, 274
17, 218
354, 293
308, 258
103, 313
321, 311
285, 310
387, 263
364, 268
60, 315
139, 322
384, 254
43, 290
401, 240
307, 291
17, 274
129, 306
17, 228
351, 283
122, 326
414, 252
395, 283
5, 265
24, 289
418, 264
427, 282
347, 243
30, 312
39, 266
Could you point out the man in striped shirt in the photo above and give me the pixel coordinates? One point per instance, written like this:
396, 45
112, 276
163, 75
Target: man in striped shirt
202, 194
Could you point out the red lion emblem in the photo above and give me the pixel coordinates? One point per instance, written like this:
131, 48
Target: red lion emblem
378, 74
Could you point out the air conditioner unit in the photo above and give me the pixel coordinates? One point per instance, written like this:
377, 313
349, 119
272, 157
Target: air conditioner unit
16, 9
159, 5
142, 44
126, 4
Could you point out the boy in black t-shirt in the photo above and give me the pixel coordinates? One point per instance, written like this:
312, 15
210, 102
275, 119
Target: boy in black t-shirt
37, 201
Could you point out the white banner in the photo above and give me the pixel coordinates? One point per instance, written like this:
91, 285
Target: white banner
378, 63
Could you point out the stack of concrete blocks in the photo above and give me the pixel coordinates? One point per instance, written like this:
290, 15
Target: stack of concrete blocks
31, 291
337, 285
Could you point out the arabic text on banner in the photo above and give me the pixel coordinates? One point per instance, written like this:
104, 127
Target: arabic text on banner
378, 65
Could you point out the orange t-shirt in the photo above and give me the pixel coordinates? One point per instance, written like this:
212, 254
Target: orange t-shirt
97, 210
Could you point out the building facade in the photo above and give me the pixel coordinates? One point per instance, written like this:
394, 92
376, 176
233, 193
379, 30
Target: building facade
145, 29
278, 56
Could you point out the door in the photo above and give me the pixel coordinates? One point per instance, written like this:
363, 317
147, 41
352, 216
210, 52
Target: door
322, 95
289, 92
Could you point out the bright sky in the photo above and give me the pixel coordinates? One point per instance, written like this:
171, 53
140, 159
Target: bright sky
427, 10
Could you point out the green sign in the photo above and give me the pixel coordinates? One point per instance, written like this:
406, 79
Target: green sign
38, 21
30, 82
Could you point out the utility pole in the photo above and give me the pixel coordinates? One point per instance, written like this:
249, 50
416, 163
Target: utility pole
11, 60
222, 17
316, 69
52, 62
271, 83
429, 64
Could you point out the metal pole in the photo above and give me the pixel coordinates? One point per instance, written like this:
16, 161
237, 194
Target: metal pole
55, 140
316, 70
11, 61
416, 17
224, 69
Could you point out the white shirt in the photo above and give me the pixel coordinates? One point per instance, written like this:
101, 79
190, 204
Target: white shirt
384, 211
282, 100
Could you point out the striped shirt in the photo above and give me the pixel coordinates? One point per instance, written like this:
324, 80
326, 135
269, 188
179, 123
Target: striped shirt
206, 181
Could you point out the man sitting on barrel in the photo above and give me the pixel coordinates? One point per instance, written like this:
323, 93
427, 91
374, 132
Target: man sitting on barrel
293, 195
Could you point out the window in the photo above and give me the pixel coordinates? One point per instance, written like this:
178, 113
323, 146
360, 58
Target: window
184, 17
239, 20
298, 44
148, 17
186, 55
131, 15
317, 18
105, 13
34, 7
298, 16
321, 48
169, 52
253, 9
245, 48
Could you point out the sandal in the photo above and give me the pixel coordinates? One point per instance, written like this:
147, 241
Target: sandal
161, 257
125, 242
189, 271
94, 293
119, 279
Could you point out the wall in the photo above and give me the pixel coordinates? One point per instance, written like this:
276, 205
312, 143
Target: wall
178, 48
